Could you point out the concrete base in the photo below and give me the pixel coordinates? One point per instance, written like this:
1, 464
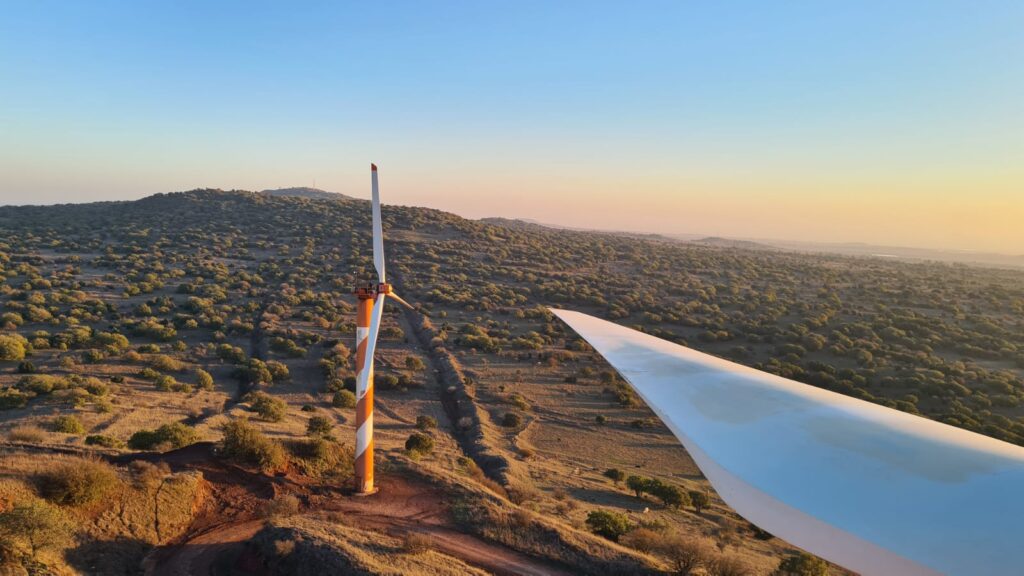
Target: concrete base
369, 493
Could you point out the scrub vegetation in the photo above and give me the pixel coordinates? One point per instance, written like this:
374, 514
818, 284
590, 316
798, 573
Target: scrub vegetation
227, 317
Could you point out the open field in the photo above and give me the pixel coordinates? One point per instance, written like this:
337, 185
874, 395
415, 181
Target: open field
205, 308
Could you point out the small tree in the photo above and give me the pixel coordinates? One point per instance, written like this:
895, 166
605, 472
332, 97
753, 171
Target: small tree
319, 426
802, 565
610, 525
699, 500
638, 484
33, 526
425, 422
615, 475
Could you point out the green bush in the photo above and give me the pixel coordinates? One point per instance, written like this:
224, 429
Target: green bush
11, 399
268, 407
610, 525
319, 426
12, 347
204, 381
321, 457
168, 436
104, 441
425, 422
67, 425
419, 443
244, 443
77, 482
512, 420
344, 399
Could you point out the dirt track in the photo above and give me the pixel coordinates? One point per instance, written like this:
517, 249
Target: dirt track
232, 515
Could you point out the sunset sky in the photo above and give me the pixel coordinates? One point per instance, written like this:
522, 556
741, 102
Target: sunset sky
884, 122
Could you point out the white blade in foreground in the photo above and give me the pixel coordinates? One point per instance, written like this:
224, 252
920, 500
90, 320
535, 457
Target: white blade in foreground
378, 227
875, 490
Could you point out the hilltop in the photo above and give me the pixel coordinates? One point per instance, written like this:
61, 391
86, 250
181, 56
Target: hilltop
160, 331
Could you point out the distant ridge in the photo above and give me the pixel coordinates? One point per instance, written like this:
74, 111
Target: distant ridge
730, 243
306, 192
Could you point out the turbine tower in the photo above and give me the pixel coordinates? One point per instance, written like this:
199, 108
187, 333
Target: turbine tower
371, 307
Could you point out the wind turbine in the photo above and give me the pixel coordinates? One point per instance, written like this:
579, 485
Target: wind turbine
371, 307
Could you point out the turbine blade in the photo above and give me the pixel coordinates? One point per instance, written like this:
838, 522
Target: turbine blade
378, 228
398, 299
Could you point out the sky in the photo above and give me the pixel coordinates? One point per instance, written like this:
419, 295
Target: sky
897, 123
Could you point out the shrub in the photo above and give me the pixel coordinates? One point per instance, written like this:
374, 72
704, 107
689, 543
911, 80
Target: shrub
600, 419
11, 399
282, 506
319, 426
245, 443
425, 422
728, 565
344, 399
417, 543
511, 420
104, 441
699, 500
168, 436
268, 407
12, 348
204, 381
419, 443
77, 482
165, 363
29, 527
803, 564
26, 367
610, 525
278, 371
67, 425
615, 475
320, 457
685, 555
30, 434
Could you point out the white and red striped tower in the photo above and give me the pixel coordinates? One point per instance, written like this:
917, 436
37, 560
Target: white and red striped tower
371, 307
364, 394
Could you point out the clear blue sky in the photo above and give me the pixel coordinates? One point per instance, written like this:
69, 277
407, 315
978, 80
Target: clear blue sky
888, 122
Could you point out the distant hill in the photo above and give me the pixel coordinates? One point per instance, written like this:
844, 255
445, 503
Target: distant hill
730, 243
306, 192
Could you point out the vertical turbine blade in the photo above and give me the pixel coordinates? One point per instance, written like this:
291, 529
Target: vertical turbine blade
371, 343
378, 228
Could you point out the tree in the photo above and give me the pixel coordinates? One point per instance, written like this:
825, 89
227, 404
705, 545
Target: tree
699, 500
245, 443
35, 525
803, 564
638, 484
615, 475
670, 496
610, 525
319, 426
425, 422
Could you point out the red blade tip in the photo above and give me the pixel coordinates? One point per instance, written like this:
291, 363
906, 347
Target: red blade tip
373, 167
